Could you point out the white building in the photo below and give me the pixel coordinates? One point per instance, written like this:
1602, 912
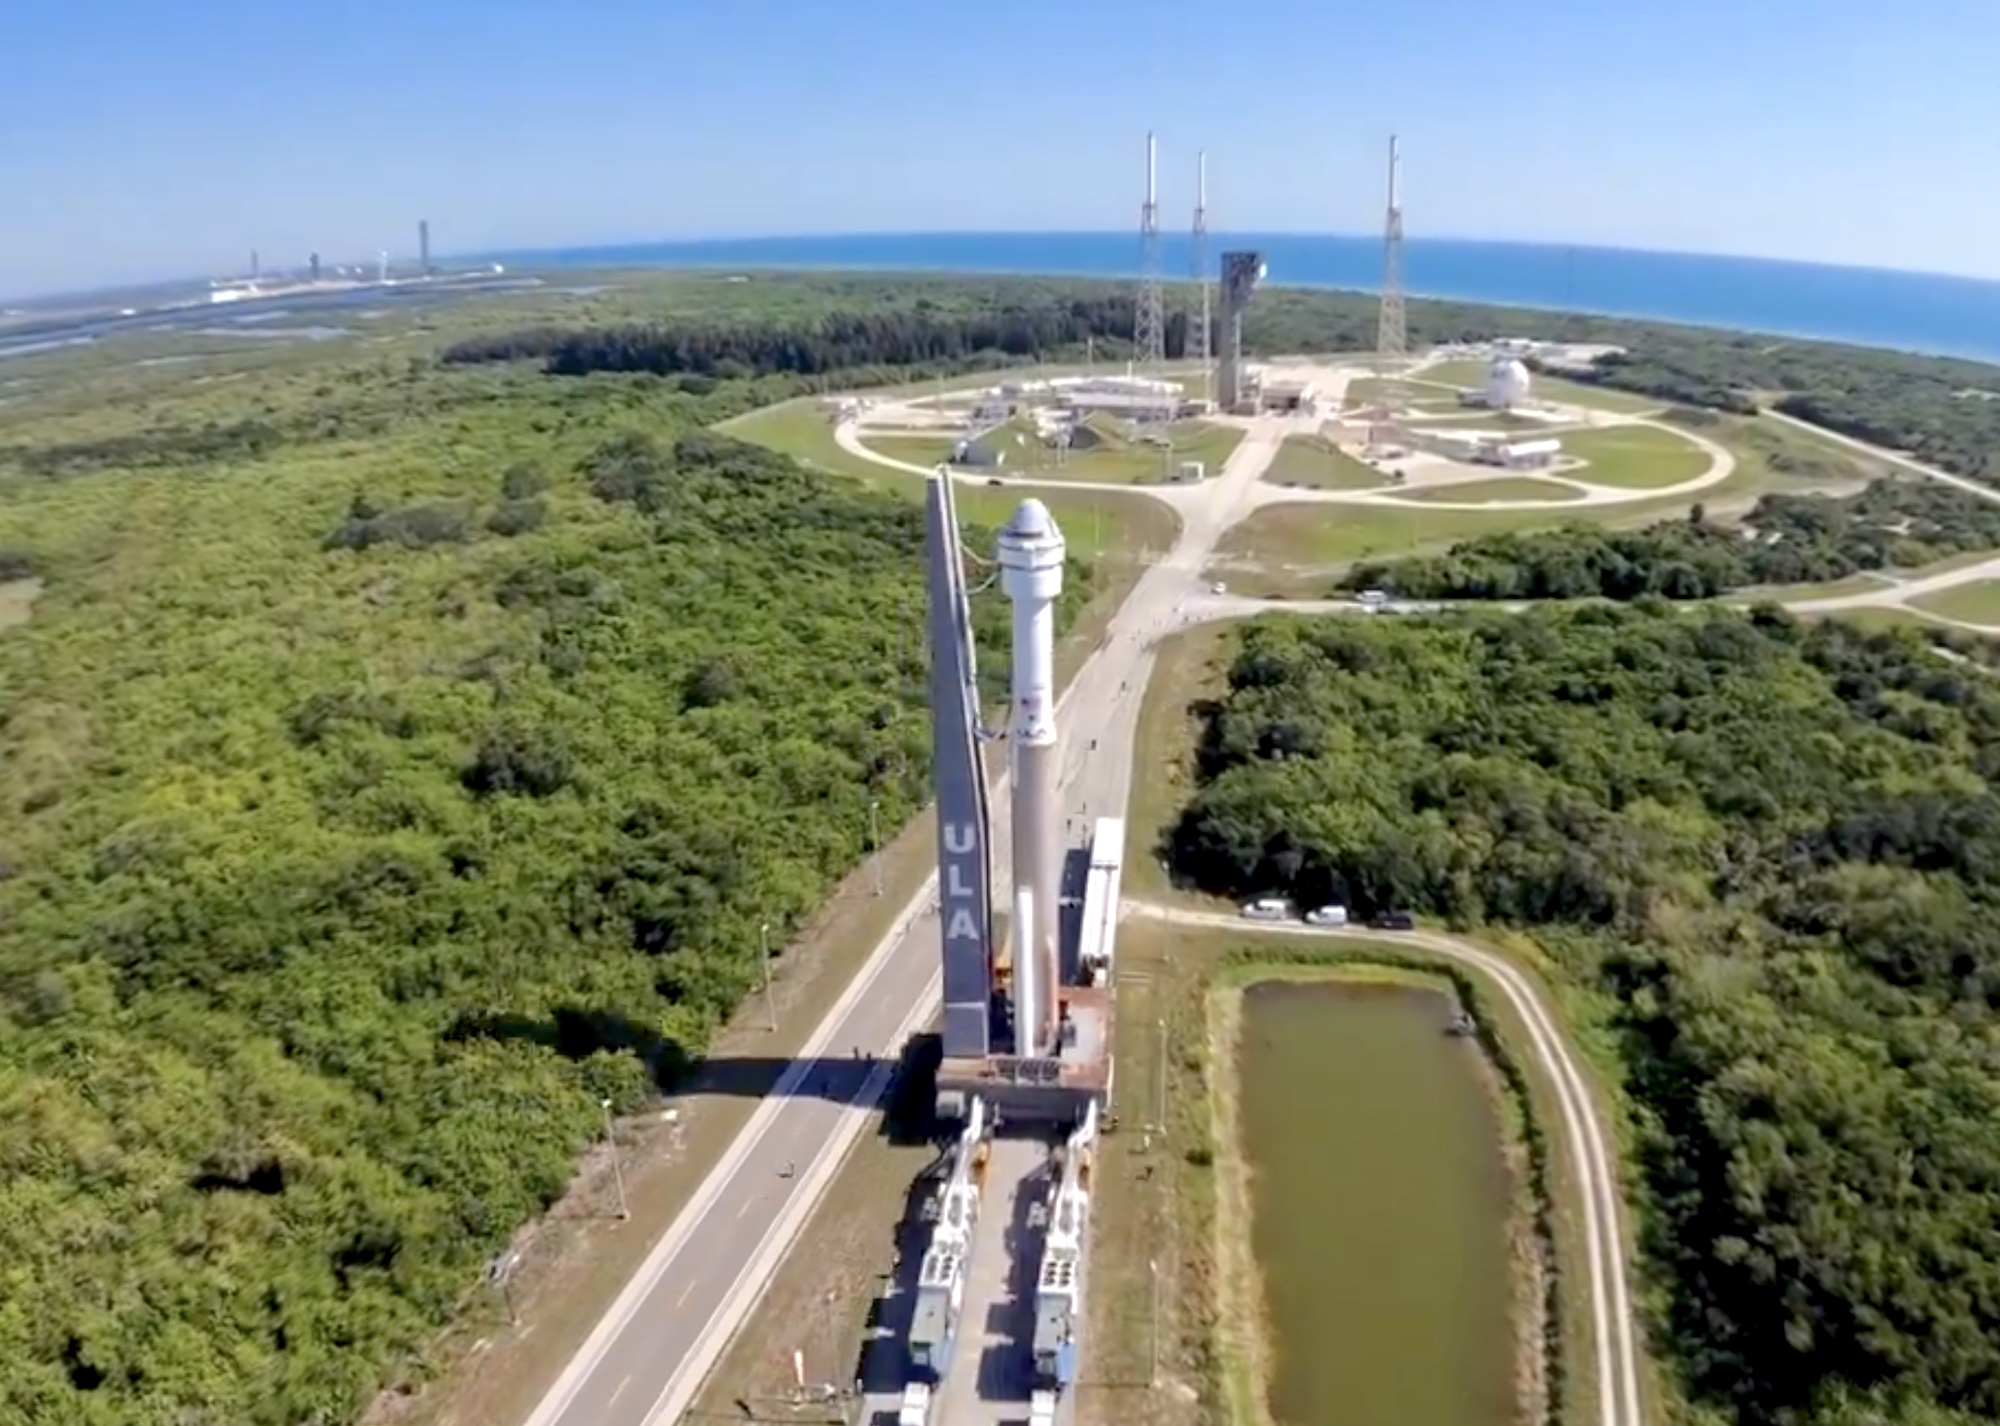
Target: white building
1137, 398
1452, 445
1507, 384
1524, 455
1287, 393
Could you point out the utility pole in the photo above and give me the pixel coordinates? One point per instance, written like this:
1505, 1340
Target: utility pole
764, 955
617, 1168
1160, 1083
875, 842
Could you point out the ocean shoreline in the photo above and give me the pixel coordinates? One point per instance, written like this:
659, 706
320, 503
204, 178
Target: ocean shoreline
1921, 314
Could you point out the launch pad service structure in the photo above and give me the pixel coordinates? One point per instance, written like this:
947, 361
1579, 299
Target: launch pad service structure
1028, 1031
1241, 273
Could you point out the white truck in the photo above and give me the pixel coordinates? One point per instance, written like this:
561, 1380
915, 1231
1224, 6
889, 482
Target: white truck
1268, 908
916, 1408
1042, 1408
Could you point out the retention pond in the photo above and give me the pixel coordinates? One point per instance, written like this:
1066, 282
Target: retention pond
1380, 1202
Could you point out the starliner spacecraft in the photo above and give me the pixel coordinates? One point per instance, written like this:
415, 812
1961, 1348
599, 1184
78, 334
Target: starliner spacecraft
1016, 1031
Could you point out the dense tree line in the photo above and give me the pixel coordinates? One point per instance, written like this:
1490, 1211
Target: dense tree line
1785, 539
170, 446
836, 342
1776, 849
341, 877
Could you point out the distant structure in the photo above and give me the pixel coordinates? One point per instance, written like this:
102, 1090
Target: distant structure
424, 247
1507, 384
256, 267
312, 267
1198, 348
1149, 325
1241, 272
382, 267
1392, 331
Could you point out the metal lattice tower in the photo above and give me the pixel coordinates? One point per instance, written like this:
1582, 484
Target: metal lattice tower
1198, 347
1149, 325
1392, 332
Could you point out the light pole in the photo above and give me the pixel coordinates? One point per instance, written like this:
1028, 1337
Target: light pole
764, 955
875, 842
1153, 1373
1160, 1083
617, 1168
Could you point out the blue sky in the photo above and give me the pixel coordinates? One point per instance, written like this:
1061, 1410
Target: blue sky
143, 139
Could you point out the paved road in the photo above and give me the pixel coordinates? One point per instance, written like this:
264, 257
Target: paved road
1616, 1353
646, 1359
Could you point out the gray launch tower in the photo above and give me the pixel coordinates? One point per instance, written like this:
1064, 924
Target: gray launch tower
965, 868
1241, 272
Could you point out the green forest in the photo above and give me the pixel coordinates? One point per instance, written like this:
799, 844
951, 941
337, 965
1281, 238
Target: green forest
374, 805
414, 730
1785, 539
1772, 850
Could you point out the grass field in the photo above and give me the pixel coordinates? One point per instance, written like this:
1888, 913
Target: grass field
1635, 457
1316, 463
1798, 593
1476, 420
917, 450
1095, 523
1493, 492
1366, 389
1974, 603
1117, 459
1471, 375
1293, 550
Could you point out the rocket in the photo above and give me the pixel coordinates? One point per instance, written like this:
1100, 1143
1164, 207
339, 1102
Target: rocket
1031, 571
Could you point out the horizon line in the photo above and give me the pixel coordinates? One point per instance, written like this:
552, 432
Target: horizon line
1171, 234
526, 255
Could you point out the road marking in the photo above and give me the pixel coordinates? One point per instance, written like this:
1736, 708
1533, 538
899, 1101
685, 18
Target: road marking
682, 1298
625, 1382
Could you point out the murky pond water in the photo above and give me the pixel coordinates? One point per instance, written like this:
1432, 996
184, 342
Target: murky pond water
1380, 1203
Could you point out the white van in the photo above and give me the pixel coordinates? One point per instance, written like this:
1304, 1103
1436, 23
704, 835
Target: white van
1327, 916
1268, 908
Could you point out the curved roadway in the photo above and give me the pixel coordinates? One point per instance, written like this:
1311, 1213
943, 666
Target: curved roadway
646, 1360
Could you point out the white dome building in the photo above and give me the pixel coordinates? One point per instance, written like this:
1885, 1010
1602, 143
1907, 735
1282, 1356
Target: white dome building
1506, 383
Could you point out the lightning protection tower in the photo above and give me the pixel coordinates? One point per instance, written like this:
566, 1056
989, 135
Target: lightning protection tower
1198, 348
1392, 332
1149, 324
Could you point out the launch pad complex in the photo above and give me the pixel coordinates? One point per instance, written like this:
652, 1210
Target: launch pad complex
1027, 1024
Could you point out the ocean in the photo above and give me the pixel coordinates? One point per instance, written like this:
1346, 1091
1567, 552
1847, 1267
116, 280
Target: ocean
1919, 312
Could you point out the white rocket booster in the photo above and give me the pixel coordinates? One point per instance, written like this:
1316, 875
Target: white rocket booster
1031, 564
1027, 993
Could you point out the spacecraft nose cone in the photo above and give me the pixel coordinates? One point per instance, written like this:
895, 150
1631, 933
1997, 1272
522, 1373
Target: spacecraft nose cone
1031, 522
